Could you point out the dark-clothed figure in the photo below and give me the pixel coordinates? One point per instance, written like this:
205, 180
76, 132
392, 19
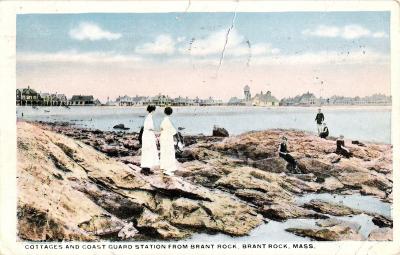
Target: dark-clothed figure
319, 119
341, 148
325, 131
284, 153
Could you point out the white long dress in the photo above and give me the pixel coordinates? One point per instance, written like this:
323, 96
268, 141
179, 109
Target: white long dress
149, 156
167, 149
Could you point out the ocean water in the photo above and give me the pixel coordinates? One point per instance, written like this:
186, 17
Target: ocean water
367, 123
274, 231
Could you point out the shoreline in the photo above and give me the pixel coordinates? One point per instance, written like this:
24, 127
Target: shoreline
215, 182
73, 125
225, 106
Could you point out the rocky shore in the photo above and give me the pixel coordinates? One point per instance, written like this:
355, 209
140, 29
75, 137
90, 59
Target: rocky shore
81, 184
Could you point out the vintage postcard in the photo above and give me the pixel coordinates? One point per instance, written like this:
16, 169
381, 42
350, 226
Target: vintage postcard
194, 127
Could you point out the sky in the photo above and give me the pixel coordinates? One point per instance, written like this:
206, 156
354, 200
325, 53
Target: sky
205, 54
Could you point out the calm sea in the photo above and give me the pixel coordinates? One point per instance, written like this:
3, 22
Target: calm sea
367, 123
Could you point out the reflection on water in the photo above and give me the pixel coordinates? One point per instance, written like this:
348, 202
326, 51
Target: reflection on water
363, 123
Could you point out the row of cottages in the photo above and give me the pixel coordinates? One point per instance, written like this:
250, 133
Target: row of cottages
29, 97
132, 101
163, 100
53, 99
306, 99
376, 99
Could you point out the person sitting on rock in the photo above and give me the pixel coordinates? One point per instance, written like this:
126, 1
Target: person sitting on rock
284, 153
341, 148
325, 131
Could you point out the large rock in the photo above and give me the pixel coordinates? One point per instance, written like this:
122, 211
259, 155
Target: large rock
69, 191
219, 131
120, 126
381, 234
330, 208
331, 230
281, 212
382, 221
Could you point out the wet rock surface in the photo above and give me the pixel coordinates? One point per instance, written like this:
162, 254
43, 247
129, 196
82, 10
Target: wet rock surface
381, 234
223, 184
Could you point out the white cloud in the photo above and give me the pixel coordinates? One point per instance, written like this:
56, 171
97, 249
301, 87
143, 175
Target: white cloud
163, 44
379, 35
354, 32
348, 32
75, 57
236, 45
92, 32
323, 31
365, 56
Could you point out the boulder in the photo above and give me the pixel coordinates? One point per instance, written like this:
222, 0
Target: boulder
120, 126
381, 234
220, 132
283, 211
330, 208
382, 221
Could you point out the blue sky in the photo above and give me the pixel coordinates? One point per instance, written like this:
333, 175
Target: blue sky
325, 42
50, 32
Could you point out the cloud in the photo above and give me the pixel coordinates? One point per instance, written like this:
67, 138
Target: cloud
323, 31
354, 32
163, 44
237, 45
75, 57
364, 57
92, 32
348, 32
379, 35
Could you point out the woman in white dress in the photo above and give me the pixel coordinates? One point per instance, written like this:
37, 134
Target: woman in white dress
167, 149
149, 158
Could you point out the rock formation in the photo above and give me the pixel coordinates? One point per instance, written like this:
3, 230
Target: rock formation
80, 184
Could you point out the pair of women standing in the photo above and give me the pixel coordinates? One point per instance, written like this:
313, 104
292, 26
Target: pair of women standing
150, 159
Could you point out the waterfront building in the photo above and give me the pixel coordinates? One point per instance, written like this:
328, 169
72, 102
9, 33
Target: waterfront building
182, 101
306, 99
28, 96
131, 101
264, 99
18, 97
81, 100
210, 102
46, 99
236, 101
54, 99
97, 102
161, 100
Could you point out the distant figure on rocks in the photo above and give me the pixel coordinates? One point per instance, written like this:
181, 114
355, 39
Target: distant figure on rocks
325, 131
341, 148
284, 153
319, 119
149, 157
167, 145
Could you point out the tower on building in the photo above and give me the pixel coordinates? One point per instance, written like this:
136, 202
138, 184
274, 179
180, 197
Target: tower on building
247, 94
